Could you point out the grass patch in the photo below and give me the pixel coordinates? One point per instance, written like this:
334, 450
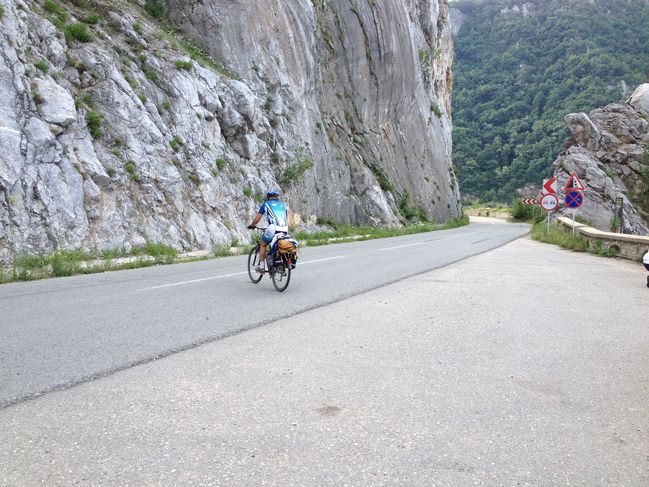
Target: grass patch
199, 55
163, 254
91, 18
347, 233
558, 236
564, 238
221, 251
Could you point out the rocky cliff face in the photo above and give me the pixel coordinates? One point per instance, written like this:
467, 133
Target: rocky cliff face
116, 129
609, 151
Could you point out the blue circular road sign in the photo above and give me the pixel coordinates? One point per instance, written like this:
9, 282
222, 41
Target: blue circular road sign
574, 199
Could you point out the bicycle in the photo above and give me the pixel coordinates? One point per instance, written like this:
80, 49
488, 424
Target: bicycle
278, 266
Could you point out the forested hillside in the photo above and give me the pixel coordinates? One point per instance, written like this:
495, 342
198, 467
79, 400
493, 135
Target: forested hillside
520, 66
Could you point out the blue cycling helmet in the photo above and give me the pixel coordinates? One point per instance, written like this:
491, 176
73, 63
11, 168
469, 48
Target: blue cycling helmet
272, 192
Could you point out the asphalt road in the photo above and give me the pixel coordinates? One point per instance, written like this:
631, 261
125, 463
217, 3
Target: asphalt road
524, 366
60, 332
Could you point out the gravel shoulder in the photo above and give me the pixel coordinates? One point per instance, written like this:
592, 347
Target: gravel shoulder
526, 365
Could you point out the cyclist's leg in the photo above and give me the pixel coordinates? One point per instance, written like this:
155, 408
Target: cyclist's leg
266, 238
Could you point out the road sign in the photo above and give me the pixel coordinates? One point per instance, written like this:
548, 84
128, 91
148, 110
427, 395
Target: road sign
574, 183
529, 201
549, 186
618, 215
549, 202
574, 199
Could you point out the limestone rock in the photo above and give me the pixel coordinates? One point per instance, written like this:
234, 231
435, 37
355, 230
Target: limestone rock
607, 151
274, 94
640, 99
57, 106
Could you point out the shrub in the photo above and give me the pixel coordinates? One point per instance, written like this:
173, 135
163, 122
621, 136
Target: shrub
248, 192
175, 143
435, 109
137, 27
220, 164
151, 75
42, 65
87, 99
2, 11
94, 121
295, 171
52, 8
526, 213
186, 65
131, 168
155, 8
411, 212
78, 32
268, 106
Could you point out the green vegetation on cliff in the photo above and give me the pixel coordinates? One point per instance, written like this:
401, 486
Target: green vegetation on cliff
520, 66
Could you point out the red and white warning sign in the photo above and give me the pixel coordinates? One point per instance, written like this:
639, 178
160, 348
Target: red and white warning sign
574, 183
549, 186
549, 202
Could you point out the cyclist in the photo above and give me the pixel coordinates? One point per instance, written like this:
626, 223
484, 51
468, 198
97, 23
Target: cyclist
277, 217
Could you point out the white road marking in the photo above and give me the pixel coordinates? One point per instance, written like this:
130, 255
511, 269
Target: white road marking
322, 260
403, 246
182, 283
223, 276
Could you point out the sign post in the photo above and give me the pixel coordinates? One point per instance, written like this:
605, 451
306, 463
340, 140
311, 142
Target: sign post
574, 198
549, 202
619, 216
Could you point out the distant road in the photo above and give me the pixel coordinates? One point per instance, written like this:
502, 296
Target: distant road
60, 332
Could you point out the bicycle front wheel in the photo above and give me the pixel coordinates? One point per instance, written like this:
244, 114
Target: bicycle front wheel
253, 263
281, 276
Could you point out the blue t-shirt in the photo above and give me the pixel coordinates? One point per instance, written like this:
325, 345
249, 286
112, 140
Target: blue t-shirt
275, 213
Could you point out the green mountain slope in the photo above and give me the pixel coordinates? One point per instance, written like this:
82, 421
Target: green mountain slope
520, 66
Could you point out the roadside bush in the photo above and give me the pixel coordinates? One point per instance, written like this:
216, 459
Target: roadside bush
526, 213
163, 254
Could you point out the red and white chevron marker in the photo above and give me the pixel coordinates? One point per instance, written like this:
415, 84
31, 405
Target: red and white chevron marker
549, 186
529, 201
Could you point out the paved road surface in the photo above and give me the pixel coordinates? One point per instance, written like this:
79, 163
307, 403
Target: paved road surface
527, 365
59, 332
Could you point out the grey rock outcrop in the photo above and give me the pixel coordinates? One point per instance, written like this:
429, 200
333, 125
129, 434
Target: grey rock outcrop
127, 139
608, 151
457, 20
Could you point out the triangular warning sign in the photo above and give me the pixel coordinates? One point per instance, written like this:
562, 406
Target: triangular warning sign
574, 183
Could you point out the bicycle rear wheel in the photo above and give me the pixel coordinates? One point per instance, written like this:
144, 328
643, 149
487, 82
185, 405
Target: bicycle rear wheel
281, 276
253, 262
